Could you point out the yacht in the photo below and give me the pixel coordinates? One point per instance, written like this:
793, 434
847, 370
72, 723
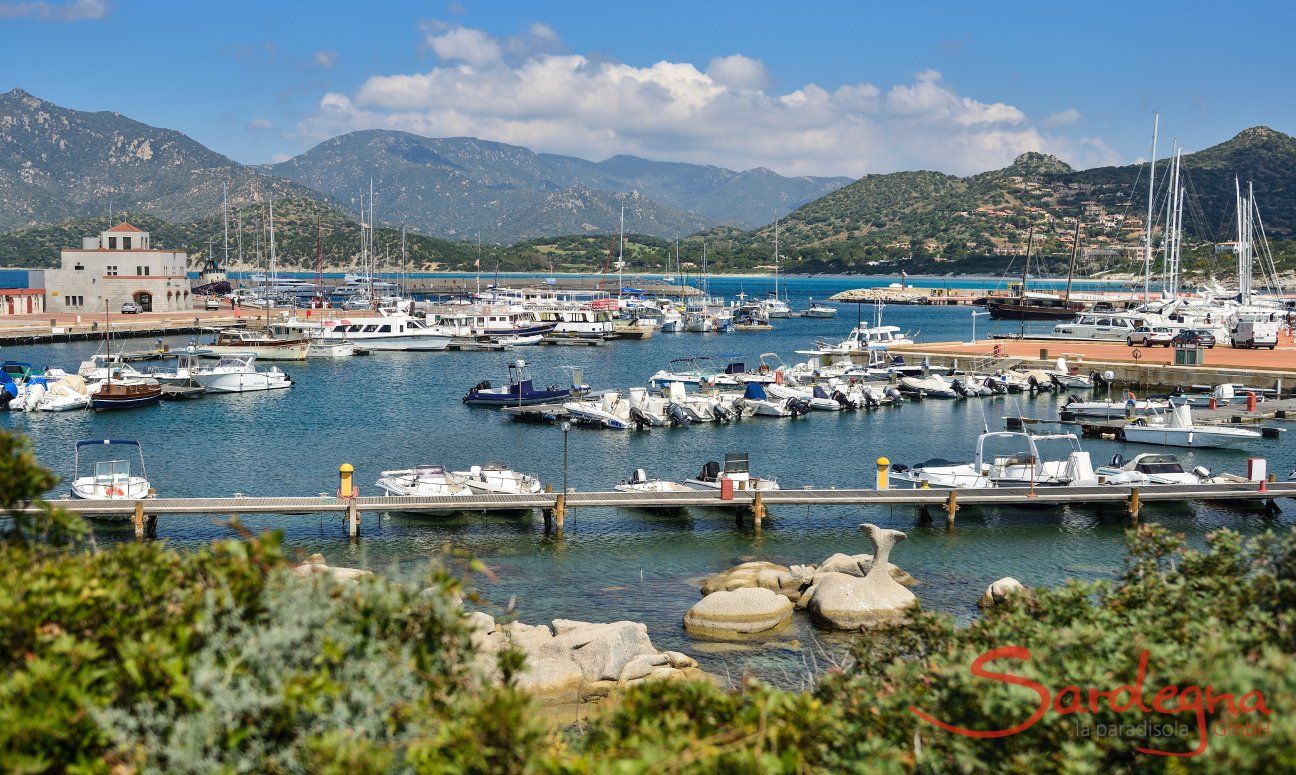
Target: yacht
735, 470
578, 323
391, 332
819, 311
112, 479
1021, 465
263, 343
238, 374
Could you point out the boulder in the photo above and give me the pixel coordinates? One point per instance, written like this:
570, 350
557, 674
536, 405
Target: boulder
601, 651
642, 665
555, 678
529, 638
846, 601
999, 592
860, 565
742, 612
315, 565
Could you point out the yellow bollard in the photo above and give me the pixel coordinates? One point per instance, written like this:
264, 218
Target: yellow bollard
346, 478
884, 467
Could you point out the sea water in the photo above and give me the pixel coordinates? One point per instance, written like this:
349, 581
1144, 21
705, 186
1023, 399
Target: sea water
393, 410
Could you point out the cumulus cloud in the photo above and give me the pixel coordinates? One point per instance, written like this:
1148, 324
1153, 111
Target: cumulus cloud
72, 11
524, 90
1062, 117
324, 59
260, 125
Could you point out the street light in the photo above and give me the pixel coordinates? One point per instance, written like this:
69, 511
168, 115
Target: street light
566, 427
976, 315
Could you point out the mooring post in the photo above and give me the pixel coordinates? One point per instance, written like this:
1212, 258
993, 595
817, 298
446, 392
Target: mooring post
1134, 505
883, 467
141, 530
353, 520
758, 511
547, 511
951, 507
347, 492
560, 511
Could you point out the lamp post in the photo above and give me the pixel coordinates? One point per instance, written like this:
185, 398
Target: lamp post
566, 427
976, 315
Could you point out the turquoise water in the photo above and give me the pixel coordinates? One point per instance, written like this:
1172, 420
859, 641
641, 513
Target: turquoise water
393, 410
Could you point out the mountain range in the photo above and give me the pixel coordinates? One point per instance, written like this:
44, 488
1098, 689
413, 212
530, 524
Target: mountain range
57, 164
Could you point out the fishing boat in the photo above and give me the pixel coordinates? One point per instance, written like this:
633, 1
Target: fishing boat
424, 481
496, 478
1175, 428
1021, 465
112, 479
736, 469
521, 390
263, 343
239, 374
819, 311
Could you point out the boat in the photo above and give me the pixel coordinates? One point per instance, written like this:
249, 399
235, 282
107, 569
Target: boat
1108, 410
496, 478
735, 470
672, 322
394, 331
1022, 465
639, 482
428, 481
112, 479
931, 386
1066, 380
817, 397
1176, 429
238, 374
520, 391
756, 402
1038, 306
118, 392
1150, 468
98, 366
181, 374
342, 349
262, 343
66, 394
819, 311
608, 410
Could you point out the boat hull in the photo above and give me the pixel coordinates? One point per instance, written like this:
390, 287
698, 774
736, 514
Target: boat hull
1183, 437
109, 403
295, 352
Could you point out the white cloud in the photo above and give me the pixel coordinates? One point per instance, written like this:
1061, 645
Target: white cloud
1062, 117
40, 10
280, 157
260, 125
520, 90
325, 59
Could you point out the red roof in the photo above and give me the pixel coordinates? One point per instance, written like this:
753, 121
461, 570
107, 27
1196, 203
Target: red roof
123, 226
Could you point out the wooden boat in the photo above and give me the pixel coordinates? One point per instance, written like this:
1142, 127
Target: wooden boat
124, 393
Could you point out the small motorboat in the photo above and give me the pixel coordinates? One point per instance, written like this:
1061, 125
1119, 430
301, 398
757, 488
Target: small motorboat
736, 470
112, 479
322, 349
66, 394
1176, 429
1112, 409
239, 374
1223, 394
756, 402
1021, 465
181, 375
521, 391
819, 311
817, 397
1150, 468
1066, 380
608, 410
422, 481
639, 482
97, 367
931, 386
498, 479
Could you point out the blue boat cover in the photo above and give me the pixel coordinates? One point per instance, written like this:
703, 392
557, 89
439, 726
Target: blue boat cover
754, 392
97, 442
819, 392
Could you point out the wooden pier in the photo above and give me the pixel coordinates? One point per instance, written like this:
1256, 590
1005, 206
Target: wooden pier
145, 513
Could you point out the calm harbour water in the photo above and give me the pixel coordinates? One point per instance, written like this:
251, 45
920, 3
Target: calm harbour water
393, 410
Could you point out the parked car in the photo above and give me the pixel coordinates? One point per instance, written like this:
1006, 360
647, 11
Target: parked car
1150, 335
213, 302
1190, 336
131, 308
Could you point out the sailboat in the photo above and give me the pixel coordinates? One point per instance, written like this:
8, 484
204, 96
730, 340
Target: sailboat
1039, 306
773, 306
125, 393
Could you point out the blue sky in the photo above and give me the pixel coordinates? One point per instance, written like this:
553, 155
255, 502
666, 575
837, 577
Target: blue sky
815, 88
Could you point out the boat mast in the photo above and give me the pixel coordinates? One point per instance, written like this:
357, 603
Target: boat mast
319, 260
1180, 193
776, 260
1075, 250
225, 215
274, 267
621, 253
1147, 238
1167, 235
1243, 239
108, 343
369, 268
1030, 239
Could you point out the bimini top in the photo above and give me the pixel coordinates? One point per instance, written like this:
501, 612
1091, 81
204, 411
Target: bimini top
106, 442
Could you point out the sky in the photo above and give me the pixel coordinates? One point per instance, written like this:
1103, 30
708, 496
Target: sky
813, 88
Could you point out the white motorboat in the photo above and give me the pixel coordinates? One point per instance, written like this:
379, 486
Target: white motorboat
608, 410
238, 374
1150, 468
66, 394
181, 374
321, 349
655, 411
672, 322
1176, 429
1113, 409
392, 332
262, 343
819, 311
98, 366
702, 407
696, 372
498, 479
423, 481
818, 398
735, 470
931, 386
639, 482
756, 402
112, 479
1066, 380
1021, 465
1226, 393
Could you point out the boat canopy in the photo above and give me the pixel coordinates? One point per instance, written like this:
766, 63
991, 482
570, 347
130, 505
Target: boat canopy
106, 442
754, 392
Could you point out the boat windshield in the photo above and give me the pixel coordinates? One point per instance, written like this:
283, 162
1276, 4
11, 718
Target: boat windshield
1159, 467
112, 472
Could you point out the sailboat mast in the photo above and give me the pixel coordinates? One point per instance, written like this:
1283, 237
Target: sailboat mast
776, 260
369, 269
1167, 236
225, 215
1147, 237
1030, 239
319, 260
621, 253
1075, 251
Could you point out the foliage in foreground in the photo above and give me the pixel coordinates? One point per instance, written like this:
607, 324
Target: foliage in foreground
141, 657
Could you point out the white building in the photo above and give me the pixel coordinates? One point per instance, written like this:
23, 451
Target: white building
116, 267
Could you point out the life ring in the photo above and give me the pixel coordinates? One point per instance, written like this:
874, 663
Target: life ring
116, 492
1138, 354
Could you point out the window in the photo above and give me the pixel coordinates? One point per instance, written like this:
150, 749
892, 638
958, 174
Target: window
384, 329
112, 243
146, 271
111, 271
126, 243
78, 267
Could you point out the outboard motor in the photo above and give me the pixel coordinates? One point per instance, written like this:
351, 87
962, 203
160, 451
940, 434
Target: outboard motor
710, 472
1202, 472
798, 406
637, 415
841, 399
996, 387
893, 394
721, 412
1099, 381
677, 415
961, 389
1118, 460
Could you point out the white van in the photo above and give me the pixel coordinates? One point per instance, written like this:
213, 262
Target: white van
1255, 334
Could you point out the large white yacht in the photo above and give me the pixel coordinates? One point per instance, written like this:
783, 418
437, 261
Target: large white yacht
392, 332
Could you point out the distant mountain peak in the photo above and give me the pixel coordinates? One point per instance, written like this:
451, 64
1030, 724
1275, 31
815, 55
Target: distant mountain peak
1034, 162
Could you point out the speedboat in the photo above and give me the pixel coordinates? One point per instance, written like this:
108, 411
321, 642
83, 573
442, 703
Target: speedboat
654, 411
1176, 429
112, 479
1150, 468
639, 482
424, 481
701, 407
498, 479
1065, 380
608, 410
735, 470
181, 375
1222, 394
521, 391
264, 344
98, 366
238, 374
756, 402
819, 311
696, 372
1020, 466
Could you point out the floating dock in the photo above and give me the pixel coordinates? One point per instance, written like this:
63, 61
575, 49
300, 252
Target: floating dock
145, 513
